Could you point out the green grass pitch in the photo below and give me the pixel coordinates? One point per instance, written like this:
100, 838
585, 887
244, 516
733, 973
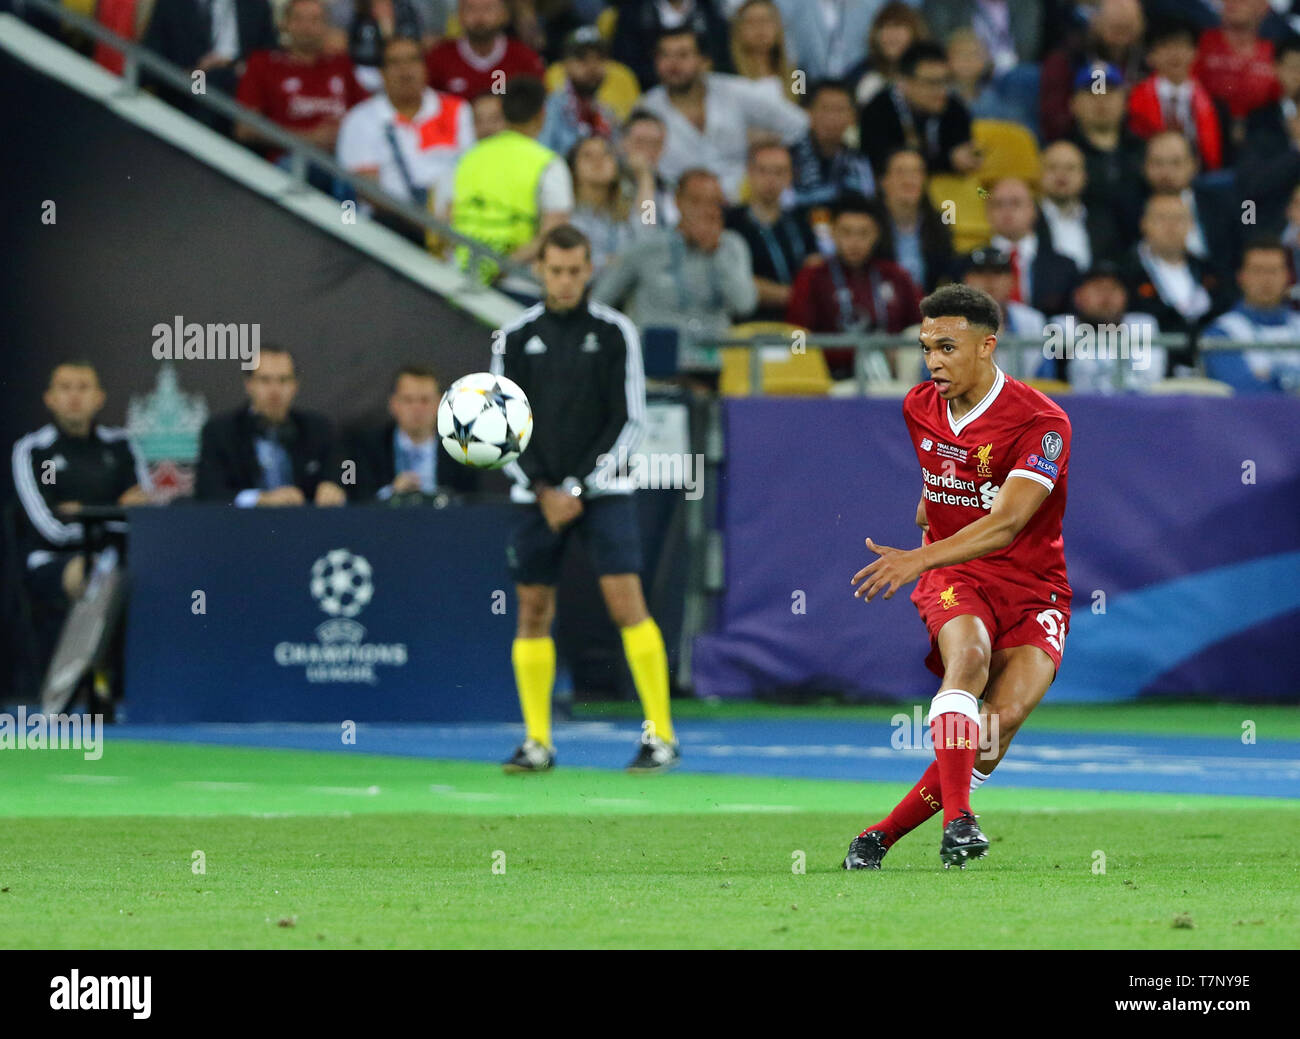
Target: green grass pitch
313, 850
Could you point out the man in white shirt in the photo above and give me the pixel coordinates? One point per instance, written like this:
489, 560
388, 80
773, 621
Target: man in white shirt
1077, 232
410, 137
709, 115
1043, 277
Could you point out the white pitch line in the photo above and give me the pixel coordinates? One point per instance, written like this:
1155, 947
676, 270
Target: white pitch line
754, 808
90, 778
210, 784
355, 791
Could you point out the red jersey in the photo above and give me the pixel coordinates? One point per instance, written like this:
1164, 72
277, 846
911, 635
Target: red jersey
456, 69
299, 95
1014, 433
1244, 82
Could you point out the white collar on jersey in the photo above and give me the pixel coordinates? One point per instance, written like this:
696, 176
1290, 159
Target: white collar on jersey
957, 425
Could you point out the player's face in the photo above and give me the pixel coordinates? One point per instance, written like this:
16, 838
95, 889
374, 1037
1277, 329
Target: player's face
74, 397
565, 273
414, 406
272, 386
956, 353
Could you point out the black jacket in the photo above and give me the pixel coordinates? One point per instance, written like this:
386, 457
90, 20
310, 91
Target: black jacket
583, 374
1144, 297
228, 458
638, 31
1269, 168
181, 30
881, 131
372, 451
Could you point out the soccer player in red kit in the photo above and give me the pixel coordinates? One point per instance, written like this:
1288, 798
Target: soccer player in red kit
991, 584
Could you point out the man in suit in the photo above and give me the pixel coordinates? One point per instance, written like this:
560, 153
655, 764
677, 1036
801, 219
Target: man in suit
403, 456
269, 453
1214, 234
1269, 168
1077, 231
1043, 277
214, 37
1164, 280
921, 111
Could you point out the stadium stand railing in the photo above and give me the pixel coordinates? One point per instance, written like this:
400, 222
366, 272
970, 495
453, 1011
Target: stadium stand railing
140, 60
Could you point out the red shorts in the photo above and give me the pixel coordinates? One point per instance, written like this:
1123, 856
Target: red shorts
1013, 615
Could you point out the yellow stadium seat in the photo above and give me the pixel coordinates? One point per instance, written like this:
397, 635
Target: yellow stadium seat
784, 373
607, 23
1009, 150
620, 91
1052, 387
960, 197
86, 8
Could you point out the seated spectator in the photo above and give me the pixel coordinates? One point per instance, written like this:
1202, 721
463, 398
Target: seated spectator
695, 278
974, 82
1170, 168
66, 464
641, 25
855, 290
269, 453
404, 456
1291, 243
893, 31
1165, 281
483, 58
1009, 30
1114, 39
300, 88
489, 117
368, 24
1076, 230
758, 51
1112, 154
213, 38
920, 241
1172, 99
1235, 63
600, 209
407, 138
1269, 166
573, 111
825, 168
642, 147
508, 190
779, 239
920, 112
828, 40
1043, 278
1261, 316
990, 269
709, 116
1101, 306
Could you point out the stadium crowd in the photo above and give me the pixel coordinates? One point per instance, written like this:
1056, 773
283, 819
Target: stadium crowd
816, 163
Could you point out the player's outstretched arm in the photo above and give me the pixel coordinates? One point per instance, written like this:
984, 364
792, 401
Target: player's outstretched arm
1013, 507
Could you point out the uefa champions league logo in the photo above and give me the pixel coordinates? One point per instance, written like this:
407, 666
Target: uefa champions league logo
341, 583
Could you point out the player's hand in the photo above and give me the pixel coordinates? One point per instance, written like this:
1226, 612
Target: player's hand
891, 571
405, 483
559, 509
287, 495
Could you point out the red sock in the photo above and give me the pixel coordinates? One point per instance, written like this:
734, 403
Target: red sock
956, 739
914, 809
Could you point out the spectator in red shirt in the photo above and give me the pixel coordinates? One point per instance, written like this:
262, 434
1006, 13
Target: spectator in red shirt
484, 58
1173, 99
1235, 63
854, 290
300, 88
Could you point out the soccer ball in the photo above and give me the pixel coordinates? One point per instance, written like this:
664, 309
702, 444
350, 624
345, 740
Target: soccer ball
485, 421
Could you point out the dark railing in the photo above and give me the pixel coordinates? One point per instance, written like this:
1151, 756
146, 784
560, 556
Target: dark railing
139, 60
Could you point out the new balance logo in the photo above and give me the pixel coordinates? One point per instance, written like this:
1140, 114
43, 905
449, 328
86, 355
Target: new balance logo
534, 346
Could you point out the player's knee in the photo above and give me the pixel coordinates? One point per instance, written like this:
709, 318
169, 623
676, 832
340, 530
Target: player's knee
1009, 719
970, 665
536, 612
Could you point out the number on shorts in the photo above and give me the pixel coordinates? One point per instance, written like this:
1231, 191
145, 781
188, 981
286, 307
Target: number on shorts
1051, 622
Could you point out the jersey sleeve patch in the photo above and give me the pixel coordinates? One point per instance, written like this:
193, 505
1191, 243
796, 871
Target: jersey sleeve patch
1039, 464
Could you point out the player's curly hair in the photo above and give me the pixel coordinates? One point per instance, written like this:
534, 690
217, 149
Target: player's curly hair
975, 305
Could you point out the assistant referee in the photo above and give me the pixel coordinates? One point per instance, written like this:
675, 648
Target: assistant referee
580, 364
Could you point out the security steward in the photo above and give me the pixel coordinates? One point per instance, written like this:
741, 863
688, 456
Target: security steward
580, 364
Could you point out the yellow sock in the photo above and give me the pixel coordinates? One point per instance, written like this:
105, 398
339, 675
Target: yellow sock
643, 645
534, 661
